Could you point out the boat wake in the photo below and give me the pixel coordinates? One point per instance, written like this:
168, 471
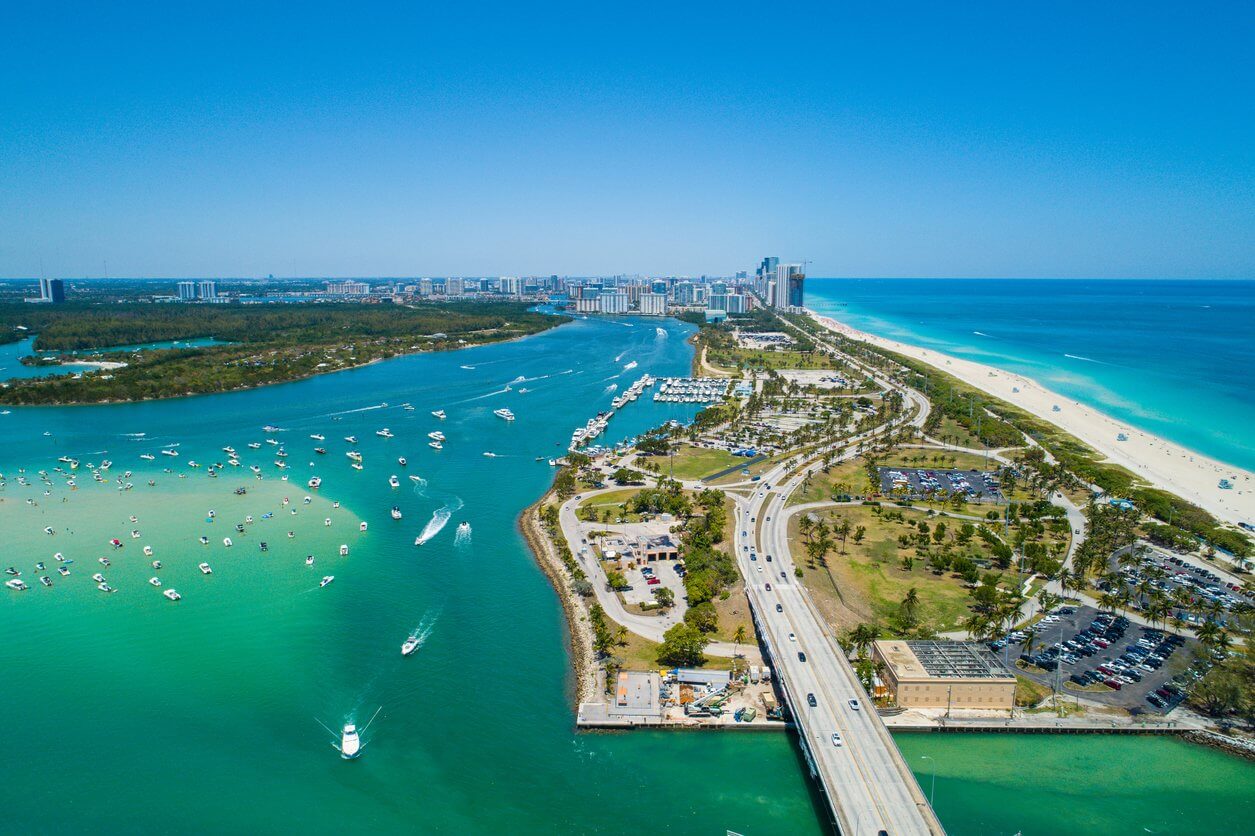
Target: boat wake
438, 521
609, 388
661, 332
359, 409
983, 334
134, 435
1086, 359
619, 356
493, 393
630, 366
424, 628
463, 535
420, 485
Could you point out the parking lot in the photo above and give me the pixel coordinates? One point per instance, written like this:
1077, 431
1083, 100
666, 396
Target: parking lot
643, 580
1105, 658
918, 482
1173, 575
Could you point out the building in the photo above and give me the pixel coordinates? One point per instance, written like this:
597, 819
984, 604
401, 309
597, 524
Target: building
51, 291
187, 291
453, 287
718, 302
612, 302
736, 304
509, 285
424, 287
207, 290
654, 304
684, 294
347, 288
661, 547
945, 674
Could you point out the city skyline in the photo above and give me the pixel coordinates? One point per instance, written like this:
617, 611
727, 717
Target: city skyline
401, 142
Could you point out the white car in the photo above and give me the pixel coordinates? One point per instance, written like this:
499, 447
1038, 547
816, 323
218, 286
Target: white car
836, 740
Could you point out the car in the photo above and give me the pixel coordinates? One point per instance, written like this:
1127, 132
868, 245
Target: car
836, 740
792, 637
768, 586
801, 657
768, 558
779, 608
782, 574
854, 706
753, 556
811, 701
760, 568
653, 581
745, 534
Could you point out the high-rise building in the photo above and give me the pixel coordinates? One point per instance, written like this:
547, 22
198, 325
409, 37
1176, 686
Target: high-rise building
789, 279
654, 304
51, 291
509, 285
658, 286
612, 302
424, 287
187, 291
736, 304
207, 290
718, 302
453, 287
348, 288
684, 293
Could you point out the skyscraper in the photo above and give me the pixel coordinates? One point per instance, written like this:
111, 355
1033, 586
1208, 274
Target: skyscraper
187, 291
51, 290
207, 290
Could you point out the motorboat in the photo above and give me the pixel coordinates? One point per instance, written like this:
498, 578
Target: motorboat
254, 445
98, 578
361, 526
326, 579
401, 461
384, 433
271, 428
315, 481
156, 564
318, 437
148, 551
344, 550
204, 541
490, 454
351, 439
226, 541
16, 584
393, 481
322, 451
436, 435
396, 513
63, 571
409, 646
439, 413
103, 561
104, 587
435, 445
357, 466
309, 560
148, 457
504, 413
204, 569
155, 581
172, 594
45, 580
350, 744
171, 453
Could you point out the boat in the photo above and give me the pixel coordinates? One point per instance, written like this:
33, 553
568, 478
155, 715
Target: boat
409, 646
351, 439
393, 481
155, 581
384, 433
63, 571
354, 455
254, 445
226, 541
504, 413
350, 744
407, 407
436, 435
148, 551
171, 453
40, 567
439, 413
315, 481
318, 437
156, 564
309, 560
396, 513
490, 454
344, 550
204, 541
15, 584
173, 595
322, 451
401, 461
104, 587
103, 561
148, 457
326, 579
204, 569
357, 466
361, 526
98, 578
45, 580
270, 428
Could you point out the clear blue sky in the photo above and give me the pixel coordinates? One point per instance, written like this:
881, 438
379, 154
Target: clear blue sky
931, 139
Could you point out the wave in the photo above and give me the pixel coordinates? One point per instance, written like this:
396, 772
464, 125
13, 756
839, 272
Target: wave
982, 334
438, 521
1086, 359
420, 485
135, 435
661, 332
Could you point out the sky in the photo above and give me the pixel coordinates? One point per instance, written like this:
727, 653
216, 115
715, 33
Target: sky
889, 139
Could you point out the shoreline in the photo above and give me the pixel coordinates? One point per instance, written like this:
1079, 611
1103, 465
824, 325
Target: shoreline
578, 629
1161, 463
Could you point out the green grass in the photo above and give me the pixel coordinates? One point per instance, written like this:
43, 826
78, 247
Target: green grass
695, 462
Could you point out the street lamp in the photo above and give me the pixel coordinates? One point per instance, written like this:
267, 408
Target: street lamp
933, 789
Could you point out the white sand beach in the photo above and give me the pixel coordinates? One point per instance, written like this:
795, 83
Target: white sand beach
1161, 463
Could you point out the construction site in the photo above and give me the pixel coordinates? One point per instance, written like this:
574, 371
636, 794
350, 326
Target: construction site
687, 698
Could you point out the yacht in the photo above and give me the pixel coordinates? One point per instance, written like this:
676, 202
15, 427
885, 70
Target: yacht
393, 481
504, 413
148, 457
204, 569
254, 445
318, 437
439, 413
171, 453
45, 580
396, 513
350, 745
410, 645
173, 595
315, 481
351, 439
354, 455
326, 579
401, 461
436, 435
15, 584
435, 445
155, 581
98, 578
384, 433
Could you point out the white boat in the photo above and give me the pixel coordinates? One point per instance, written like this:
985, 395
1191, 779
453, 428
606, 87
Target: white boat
156, 564
226, 541
155, 581
315, 481
401, 461
98, 578
490, 455
16, 584
204, 569
504, 413
350, 744
361, 526
254, 445
354, 455
326, 580
45, 580
63, 571
344, 550
173, 595
148, 457
393, 481
171, 453
410, 645
439, 413
271, 428
309, 560
148, 551
436, 435
318, 437
396, 513
104, 587
435, 445
384, 433
351, 439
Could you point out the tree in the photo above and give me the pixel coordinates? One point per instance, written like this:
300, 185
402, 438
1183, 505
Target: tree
665, 597
738, 638
682, 645
909, 608
616, 579
703, 617
862, 636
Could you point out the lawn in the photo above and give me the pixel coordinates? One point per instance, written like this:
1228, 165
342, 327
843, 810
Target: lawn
819, 488
756, 469
729, 358
869, 582
695, 462
611, 501
640, 654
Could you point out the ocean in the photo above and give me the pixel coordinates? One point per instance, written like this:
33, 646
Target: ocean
1170, 357
129, 713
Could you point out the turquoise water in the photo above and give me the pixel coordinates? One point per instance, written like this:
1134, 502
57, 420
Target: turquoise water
135, 714
11, 354
1170, 357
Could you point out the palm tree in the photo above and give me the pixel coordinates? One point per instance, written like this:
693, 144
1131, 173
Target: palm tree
738, 638
910, 607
